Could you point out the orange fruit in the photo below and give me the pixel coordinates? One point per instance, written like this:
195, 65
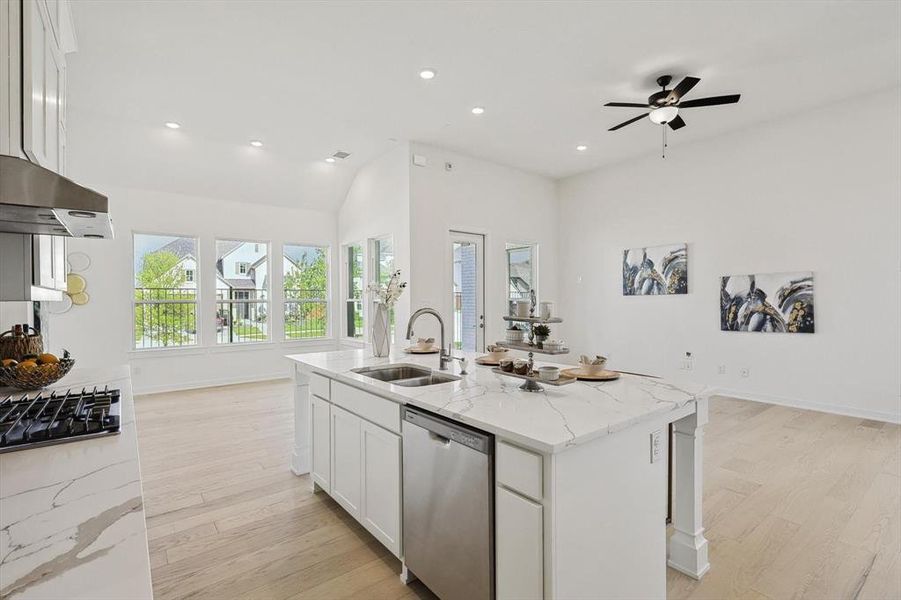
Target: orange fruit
27, 364
9, 362
47, 358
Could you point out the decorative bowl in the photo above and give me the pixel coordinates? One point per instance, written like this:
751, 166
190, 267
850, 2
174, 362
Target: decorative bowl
549, 373
37, 377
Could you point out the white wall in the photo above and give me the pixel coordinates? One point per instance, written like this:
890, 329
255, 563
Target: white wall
819, 191
504, 204
378, 205
100, 333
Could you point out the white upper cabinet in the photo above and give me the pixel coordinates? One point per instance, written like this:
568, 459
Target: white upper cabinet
46, 37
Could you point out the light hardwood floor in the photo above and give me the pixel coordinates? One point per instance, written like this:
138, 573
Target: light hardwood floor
797, 504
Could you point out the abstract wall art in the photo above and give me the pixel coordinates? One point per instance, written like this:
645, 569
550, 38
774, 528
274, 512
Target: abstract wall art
768, 302
656, 270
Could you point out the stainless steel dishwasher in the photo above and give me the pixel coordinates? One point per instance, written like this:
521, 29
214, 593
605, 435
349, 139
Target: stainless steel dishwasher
448, 506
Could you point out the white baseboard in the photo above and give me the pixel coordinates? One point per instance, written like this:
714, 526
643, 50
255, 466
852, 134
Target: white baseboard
218, 381
849, 411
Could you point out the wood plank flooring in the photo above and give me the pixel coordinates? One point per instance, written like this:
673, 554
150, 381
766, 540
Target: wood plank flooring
797, 504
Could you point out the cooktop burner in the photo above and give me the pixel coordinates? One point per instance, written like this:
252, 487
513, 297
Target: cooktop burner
28, 422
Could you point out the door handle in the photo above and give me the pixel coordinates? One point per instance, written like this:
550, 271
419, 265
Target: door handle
439, 438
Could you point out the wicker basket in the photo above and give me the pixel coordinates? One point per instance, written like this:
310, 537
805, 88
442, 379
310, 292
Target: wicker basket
36, 377
15, 346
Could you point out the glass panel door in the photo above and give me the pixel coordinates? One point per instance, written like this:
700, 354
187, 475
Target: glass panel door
468, 333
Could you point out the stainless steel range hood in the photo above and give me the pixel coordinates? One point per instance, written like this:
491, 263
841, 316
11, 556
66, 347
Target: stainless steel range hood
38, 201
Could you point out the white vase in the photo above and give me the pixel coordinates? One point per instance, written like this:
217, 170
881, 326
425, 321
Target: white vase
381, 334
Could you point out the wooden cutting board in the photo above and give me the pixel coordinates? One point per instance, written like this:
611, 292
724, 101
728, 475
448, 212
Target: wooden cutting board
578, 373
432, 350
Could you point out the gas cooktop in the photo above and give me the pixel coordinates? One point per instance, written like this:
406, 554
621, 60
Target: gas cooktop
29, 421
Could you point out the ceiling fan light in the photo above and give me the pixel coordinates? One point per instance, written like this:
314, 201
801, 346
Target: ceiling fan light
663, 115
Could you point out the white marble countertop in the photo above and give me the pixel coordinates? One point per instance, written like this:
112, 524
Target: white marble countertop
547, 421
72, 515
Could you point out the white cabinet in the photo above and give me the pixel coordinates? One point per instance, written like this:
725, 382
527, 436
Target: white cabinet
42, 84
356, 461
519, 545
320, 416
346, 460
381, 455
37, 35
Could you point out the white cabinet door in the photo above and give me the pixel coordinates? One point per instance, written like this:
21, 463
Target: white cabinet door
519, 547
42, 70
381, 485
321, 442
346, 476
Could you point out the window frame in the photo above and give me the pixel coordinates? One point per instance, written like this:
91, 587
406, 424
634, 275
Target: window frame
346, 291
328, 294
268, 290
515, 245
197, 302
372, 275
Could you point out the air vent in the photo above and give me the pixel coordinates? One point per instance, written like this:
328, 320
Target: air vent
341, 154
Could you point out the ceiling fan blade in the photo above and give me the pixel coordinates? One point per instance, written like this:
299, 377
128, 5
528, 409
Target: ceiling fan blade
624, 123
676, 123
627, 104
680, 90
712, 101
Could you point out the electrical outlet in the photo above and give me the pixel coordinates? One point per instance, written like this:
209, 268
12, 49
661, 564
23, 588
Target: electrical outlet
721, 369
656, 450
745, 372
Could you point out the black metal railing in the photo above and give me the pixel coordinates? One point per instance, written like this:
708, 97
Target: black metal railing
165, 317
242, 315
306, 314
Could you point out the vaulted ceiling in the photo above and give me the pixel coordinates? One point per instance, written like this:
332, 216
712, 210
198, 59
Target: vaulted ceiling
309, 79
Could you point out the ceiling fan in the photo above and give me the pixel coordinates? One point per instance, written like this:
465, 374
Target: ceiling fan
664, 106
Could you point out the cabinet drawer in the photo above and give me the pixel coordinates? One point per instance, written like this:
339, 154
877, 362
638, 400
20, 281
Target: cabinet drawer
519, 470
380, 411
520, 547
319, 386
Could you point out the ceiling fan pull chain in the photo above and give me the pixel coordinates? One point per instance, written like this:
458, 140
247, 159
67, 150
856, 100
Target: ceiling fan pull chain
664, 141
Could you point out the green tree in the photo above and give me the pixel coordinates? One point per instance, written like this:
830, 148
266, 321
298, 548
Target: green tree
306, 285
164, 323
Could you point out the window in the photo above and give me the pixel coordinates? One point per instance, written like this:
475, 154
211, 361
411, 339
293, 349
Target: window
242, 299
354, 299
306, 292
381, 252
521, 272
165, 300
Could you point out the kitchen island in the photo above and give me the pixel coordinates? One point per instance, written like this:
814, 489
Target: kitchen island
581, 471
72, 514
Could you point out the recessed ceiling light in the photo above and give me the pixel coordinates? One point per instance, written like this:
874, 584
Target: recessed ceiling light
330, 159
428, 74
256, 143
581, 147
172, 125
478, 110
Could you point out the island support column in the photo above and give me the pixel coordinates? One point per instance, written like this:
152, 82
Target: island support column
300, 458
688, 546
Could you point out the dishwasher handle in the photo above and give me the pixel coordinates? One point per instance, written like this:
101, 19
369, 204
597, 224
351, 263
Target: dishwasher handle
447, 431
439, 438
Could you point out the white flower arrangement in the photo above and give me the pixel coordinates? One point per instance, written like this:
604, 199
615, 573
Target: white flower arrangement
388, 294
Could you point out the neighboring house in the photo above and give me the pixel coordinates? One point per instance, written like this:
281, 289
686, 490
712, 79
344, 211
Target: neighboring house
183, 248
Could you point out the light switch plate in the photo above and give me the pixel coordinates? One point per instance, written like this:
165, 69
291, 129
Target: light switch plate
656, 450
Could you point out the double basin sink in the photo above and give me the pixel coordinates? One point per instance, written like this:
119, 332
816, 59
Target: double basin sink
406, 375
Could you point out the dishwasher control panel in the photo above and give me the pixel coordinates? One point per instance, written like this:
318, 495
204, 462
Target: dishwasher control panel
450, 430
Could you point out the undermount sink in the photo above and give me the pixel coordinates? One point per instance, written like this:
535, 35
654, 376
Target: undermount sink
406, 375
